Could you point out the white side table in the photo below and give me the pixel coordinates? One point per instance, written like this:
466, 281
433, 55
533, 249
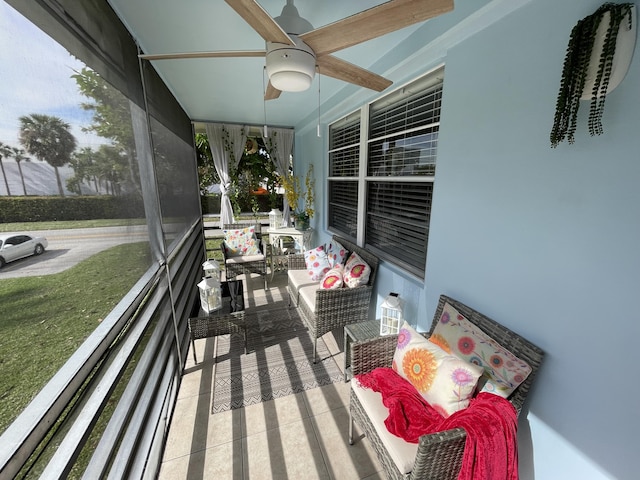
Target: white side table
301, 240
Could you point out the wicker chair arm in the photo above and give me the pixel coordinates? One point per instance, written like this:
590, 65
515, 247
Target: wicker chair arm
440, 455
342, 298
296, 261
373, 353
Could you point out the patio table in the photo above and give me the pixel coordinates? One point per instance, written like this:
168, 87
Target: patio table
357, 332
227, 320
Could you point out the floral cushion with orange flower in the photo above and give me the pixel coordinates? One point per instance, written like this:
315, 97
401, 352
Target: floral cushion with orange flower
445, 381
503, 370
241, 241
356, 271
333, 278
317, 262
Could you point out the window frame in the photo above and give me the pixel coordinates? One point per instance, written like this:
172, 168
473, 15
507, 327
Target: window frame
432, 81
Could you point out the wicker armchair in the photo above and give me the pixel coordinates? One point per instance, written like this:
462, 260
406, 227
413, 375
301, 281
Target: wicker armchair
235, 266
332, 308
439, 456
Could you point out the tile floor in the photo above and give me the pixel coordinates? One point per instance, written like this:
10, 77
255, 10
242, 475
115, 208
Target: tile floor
294, 437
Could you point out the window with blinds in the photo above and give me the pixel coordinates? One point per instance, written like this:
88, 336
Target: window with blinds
344, 172
397, 178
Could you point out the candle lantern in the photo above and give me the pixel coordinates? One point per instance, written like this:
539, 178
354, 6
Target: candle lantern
275, 219
391, 319
210, 294
211, 269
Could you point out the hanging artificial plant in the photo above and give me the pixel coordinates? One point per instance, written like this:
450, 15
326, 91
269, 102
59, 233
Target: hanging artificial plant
576, 66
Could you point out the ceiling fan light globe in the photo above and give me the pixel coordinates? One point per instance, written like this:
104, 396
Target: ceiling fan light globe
291, 81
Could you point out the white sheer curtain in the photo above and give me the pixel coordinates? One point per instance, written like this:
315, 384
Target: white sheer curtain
281, 140
227, 144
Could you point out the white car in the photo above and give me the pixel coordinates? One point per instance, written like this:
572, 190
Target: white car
14, 246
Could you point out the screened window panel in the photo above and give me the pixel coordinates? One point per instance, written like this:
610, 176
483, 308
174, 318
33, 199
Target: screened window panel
398, 220
177, 182
343, 206
113, 160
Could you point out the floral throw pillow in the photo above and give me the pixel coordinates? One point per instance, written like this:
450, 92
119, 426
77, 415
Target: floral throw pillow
333, 278
317, 262
503, 370
445, 381
241, 242
336, 253
356, 271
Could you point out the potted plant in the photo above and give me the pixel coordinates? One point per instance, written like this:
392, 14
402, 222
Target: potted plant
589, 67
294, 193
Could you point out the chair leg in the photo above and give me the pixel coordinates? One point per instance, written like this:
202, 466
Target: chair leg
245, 339
193, 348
291, 303
350, 427
315, 344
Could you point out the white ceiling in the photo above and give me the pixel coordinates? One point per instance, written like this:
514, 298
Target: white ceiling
231, 89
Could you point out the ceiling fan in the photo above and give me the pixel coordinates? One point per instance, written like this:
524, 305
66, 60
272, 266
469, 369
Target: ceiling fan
295, 49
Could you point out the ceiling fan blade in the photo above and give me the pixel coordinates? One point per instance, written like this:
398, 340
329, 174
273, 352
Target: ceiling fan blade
372, 23
260, 21
272, 92
342, 70
219, 54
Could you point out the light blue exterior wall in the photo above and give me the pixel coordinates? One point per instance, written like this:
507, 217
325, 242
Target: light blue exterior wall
545, 241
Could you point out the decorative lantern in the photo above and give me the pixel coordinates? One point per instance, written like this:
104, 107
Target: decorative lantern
211, 269
391, 314
210, 294
275, 219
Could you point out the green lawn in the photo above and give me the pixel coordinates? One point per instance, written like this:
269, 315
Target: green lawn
46, 318
213, 249
66, 224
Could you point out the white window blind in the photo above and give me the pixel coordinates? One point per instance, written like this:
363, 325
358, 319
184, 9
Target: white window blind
397, 176
344, 166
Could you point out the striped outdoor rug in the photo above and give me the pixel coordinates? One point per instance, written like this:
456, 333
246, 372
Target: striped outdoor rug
278, 361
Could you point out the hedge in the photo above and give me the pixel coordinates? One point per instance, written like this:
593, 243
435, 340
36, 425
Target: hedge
50, 208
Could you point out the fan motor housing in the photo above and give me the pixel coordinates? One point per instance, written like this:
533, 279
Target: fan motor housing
290, 68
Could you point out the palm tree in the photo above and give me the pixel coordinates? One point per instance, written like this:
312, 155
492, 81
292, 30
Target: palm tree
82, 164
108, 166
5, 151
18, 156
48, 139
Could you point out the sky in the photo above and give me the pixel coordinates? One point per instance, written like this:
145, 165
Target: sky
35, 77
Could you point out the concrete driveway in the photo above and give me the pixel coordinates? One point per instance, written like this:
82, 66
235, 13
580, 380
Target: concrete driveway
69, 247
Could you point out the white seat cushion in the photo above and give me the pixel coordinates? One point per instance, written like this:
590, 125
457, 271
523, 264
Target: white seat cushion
245, 259
300, 280
403, 453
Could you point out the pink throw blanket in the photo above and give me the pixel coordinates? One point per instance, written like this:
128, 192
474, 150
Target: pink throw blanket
490, 421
